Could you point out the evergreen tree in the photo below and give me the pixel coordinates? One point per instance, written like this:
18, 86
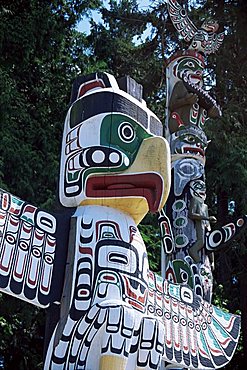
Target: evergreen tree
39, 56
41, 53
227, 175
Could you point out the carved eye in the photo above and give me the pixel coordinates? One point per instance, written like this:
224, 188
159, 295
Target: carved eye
190, 139
126, 132
183, 13
199, 185
190, 64
183, 275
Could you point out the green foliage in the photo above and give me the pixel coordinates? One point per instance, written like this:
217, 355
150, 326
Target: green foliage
219, 298
22, 331
150, 233
41, 53
114, 41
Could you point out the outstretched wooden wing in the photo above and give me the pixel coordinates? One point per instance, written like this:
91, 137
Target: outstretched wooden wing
198, 335
214, 42
32, 257
218, 238
181, 20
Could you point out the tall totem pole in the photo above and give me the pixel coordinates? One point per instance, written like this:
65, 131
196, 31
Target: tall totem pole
187, 240
90, 261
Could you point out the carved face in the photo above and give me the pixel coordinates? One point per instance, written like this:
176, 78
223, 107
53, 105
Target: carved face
111, 155
190, 142
104, 144
198, 190
190, 69
210, 25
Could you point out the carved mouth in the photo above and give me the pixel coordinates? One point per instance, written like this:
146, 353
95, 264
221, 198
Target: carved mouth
202, 194
148, 185
195, 79
205, 99
194, 151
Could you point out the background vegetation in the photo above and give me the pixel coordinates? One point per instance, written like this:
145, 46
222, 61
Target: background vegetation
41, 52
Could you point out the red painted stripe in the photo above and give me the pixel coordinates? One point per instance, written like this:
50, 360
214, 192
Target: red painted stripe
86, 250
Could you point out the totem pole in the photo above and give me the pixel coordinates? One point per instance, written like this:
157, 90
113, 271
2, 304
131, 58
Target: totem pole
187, 238
91, 262
185, 224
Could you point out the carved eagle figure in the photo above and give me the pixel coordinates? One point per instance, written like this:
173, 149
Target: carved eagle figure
204, 39
90, 262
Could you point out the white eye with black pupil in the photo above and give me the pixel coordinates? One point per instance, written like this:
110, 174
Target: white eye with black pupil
184, 276
126, 132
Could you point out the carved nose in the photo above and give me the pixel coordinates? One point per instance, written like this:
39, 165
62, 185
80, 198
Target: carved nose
154, 157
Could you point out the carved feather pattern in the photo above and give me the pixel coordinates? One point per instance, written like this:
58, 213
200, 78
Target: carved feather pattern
181, 21
28, 245
214, 42
201, 39
218, 238
197, 334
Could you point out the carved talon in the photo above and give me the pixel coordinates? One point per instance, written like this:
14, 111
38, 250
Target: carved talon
212, 219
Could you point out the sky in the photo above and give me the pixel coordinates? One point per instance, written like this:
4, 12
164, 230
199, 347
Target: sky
84, 25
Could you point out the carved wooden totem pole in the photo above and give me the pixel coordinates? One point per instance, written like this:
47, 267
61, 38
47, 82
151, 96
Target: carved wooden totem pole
187, 238
90, 260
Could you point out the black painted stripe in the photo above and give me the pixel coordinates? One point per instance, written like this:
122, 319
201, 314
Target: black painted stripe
106, 102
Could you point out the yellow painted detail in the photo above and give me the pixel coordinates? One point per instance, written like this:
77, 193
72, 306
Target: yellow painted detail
154, 156
136, 207
112, 363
